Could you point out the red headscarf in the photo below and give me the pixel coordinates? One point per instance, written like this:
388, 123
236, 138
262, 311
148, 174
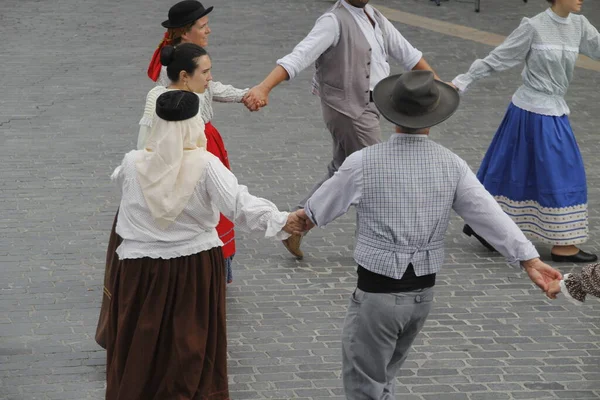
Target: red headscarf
155, 65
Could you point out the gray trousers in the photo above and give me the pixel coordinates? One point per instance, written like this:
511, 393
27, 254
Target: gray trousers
378, 332
349, 135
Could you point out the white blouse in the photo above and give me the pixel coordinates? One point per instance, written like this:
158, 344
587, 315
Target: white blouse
216, 91
549, 45
193, 230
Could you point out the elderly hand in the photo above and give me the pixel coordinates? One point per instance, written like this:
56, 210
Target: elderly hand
553, 289
541, 274
256, 98
308, 224
298, 223
295, 224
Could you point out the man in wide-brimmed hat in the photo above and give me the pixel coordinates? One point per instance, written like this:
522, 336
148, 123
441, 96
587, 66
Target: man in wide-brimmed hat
404, 190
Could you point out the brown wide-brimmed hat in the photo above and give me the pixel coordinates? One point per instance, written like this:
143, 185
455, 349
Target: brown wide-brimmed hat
184, 13
415, 99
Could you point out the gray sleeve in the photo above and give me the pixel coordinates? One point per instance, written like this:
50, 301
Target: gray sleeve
481, 211
338, 193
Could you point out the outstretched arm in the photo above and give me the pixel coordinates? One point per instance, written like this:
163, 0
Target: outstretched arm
338, 193
258, 96
590, 40
481, 211
509, 54
249, 213
227, 93
323, 35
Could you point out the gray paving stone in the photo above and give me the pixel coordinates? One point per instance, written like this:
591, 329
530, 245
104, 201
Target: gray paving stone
69, 112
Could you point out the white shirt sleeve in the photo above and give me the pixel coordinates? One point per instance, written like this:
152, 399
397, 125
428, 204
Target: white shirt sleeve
338, 193
590, 40
148, 117
509, 54
481, 211
323, 35
399, 48
247, 212
227, 93
118, 175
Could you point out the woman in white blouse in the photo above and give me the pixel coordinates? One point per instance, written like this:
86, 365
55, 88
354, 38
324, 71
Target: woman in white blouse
166, 336
182, 65
533, 166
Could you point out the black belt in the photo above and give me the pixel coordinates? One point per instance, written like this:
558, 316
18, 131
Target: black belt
370, 96
372, 282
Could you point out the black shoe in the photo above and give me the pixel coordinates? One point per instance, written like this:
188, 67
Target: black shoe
580, 257
467, 230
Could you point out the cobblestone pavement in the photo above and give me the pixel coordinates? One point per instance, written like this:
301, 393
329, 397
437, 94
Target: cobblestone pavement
73, 88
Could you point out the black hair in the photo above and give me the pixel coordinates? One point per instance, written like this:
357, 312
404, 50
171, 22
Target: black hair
181, 58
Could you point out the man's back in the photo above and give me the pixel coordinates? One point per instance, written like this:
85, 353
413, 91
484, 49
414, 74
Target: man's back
409, 186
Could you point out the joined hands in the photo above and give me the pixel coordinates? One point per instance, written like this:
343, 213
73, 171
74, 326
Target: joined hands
298, 223
256, 98
543, 275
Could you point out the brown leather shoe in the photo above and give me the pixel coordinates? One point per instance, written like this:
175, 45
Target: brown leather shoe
292, 244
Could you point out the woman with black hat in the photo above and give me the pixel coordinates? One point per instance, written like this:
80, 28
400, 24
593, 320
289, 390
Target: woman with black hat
187, 23
166, 336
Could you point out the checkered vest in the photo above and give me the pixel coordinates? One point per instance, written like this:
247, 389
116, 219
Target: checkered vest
409, 184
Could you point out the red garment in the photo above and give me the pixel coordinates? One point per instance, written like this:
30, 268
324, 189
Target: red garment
215, 145
155, 65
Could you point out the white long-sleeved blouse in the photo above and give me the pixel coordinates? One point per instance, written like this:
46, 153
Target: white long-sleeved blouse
216, 91
549, 46
193, 230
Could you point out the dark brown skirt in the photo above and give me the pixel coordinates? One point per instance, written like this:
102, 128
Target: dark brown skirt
112, 259
166, 329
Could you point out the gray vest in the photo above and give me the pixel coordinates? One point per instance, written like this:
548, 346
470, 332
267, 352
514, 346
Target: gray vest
409, 184
343, 71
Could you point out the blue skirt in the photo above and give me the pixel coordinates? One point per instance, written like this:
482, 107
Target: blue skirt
534, 169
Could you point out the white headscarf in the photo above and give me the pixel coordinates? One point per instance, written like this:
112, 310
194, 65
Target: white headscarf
171, 165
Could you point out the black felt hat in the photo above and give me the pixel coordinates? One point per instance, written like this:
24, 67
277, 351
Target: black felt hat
177, 105
184, 13
415, 99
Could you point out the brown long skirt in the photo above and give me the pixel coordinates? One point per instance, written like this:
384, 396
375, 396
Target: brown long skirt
112, 259
166, 331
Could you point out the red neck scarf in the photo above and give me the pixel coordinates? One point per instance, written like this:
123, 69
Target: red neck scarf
155, 65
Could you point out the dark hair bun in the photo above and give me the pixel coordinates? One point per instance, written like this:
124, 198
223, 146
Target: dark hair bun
177, 105
167, 54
